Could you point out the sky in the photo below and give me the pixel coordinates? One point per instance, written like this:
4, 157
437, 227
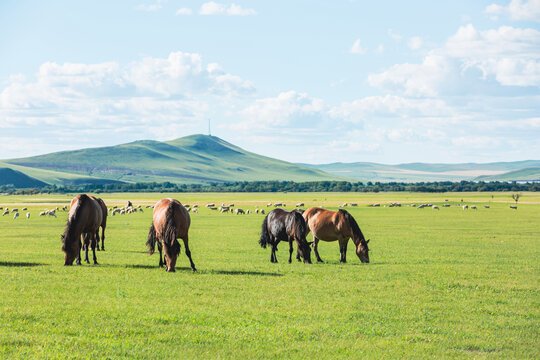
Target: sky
303, 81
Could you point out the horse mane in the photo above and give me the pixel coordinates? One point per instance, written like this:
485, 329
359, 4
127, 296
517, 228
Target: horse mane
73, 221
299, 224
354, 226
169, 232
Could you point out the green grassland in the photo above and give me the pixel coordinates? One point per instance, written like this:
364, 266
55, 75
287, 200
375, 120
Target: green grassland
441, 284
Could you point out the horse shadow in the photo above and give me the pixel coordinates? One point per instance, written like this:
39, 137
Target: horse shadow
240, 272
20, 264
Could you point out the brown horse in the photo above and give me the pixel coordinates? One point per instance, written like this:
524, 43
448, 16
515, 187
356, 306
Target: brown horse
103, 222
281, 225
338, 225
85, 217
171, 221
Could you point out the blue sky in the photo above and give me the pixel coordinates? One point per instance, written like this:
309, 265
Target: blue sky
303, 81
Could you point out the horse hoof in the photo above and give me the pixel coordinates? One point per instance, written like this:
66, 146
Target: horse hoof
96, 263
193, 269
102, 248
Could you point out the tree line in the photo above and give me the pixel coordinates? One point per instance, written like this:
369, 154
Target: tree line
281, 186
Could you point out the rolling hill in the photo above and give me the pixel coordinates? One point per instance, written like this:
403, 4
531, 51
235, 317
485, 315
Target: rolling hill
191, 159
18, 179
414, 172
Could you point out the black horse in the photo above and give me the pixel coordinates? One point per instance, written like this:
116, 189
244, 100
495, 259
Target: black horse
280, 225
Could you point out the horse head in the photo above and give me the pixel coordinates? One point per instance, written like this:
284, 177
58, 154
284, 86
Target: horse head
171, 254
362, 251
71, 248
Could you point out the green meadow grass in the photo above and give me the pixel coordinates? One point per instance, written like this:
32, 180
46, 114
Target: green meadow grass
441, 284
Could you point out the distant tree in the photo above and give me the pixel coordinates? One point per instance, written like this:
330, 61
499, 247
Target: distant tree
516, 197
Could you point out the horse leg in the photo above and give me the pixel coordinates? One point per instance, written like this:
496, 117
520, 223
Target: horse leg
188, 253
102, 239
273, 257
94, 243
86, 246
316, 248
78, 262
160, 258
290, 250
342, 251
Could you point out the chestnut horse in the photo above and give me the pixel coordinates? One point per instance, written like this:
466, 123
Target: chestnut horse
171, 221
338, 225
85, 218
281, 225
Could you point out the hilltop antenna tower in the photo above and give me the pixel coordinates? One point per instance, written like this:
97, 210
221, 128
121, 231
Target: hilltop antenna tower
209, 132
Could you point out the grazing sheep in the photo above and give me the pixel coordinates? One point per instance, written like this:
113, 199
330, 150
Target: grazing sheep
24, 209
28, 215
473, 207
14, 210
231, 205
486, 206
269, 204
1, 208
248, 211
344, 204
261, 212
16, 215
239, 211
465, 207
354, 204
224, 210
210, 205
256, 211
299, 205
195, 210
434, 207
213, 208
195, 206
513, 207
43, 213
446, 205
5, 212
278, 204
52, 213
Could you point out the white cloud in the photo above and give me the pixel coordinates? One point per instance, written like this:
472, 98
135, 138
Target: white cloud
214, 8
394, 35
184, 11
287, 109
415, 43
157, 96
517, 10
509, 55
380, 49
357, 48
151, 7
414, 79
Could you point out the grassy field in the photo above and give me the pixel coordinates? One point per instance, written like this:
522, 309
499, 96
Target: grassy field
441, 284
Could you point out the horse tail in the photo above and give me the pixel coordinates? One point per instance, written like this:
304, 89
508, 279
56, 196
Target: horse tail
73, 220
353, 224
265, 236
169, 233
152, 238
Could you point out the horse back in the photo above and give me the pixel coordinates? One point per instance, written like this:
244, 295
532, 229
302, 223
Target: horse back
171, 207
326, 224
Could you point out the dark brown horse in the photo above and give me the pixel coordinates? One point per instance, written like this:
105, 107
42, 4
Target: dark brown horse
281, 225
103, 223
338, 225
84, 219
171, 221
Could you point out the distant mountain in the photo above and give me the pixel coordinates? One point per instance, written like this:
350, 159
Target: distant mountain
17, 179
532, 173
191, 159
415, 172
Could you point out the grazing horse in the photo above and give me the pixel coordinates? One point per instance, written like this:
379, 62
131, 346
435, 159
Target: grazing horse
171, 221
338, 225
281, 225
85, 217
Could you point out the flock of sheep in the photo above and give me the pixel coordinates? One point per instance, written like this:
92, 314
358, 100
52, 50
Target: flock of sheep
230, 208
